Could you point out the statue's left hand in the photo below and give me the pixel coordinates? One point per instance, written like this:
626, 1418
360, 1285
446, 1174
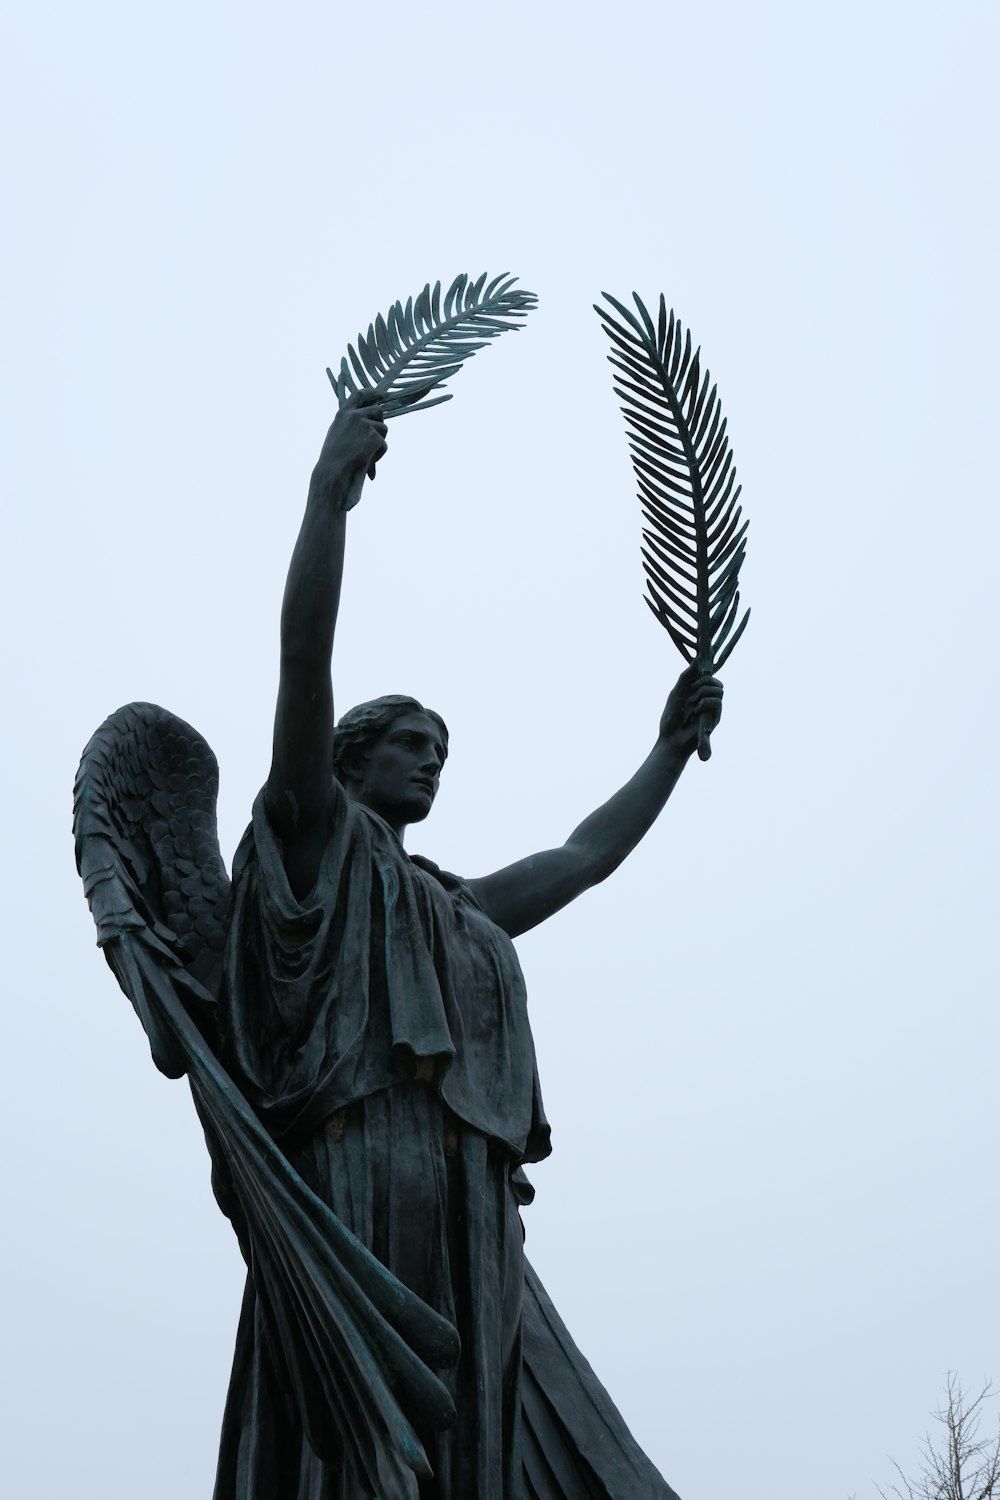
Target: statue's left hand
695, 696
352, 447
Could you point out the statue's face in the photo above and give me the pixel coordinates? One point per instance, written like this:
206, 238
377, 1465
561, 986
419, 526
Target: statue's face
399, 778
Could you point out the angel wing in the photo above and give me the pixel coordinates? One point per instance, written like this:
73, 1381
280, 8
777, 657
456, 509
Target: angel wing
147, 848
695, 540
356, 1348
414, 349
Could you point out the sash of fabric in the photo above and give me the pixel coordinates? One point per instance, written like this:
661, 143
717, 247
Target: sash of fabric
356, 1348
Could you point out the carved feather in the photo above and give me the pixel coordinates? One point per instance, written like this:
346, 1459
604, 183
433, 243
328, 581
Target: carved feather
147, 848
414, 349
694, 538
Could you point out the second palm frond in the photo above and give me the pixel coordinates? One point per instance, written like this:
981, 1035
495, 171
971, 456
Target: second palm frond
694, 540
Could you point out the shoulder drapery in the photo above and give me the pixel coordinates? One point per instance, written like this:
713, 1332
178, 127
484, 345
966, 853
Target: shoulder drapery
384, 966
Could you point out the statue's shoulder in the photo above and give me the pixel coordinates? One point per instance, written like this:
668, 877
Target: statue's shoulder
455, 885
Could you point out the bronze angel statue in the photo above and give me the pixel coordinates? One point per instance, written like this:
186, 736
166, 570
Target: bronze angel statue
353, 1024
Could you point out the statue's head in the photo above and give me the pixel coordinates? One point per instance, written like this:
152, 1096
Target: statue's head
388, 755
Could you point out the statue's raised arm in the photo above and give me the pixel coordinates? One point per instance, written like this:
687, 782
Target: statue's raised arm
525, 893
298, 786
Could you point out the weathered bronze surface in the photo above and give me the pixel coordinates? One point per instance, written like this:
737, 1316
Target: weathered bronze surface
353, 1024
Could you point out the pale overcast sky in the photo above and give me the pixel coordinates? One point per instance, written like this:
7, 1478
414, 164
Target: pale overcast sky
769, 1045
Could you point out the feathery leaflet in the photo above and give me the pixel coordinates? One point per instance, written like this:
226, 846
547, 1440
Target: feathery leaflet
415, 349
694, 540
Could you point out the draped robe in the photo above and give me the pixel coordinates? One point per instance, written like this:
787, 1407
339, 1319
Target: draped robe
379, 1030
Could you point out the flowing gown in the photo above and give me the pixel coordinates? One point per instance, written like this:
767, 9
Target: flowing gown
379, 1029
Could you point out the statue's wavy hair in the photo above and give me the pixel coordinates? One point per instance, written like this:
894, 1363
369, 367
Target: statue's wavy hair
360, 727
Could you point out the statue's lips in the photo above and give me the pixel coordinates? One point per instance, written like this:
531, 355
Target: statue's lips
424, 784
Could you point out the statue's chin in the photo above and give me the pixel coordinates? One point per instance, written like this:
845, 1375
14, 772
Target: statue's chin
418, 808
400, 814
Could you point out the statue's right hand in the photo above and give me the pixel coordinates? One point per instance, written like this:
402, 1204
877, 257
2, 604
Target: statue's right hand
354, 443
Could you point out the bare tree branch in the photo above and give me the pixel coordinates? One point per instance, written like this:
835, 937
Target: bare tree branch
961, 1465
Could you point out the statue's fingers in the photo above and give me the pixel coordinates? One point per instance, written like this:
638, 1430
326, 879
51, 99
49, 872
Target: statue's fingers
704, 705
382, 451
369, 397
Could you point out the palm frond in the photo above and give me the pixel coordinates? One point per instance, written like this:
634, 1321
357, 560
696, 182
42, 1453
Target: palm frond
414, 349
694, 541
